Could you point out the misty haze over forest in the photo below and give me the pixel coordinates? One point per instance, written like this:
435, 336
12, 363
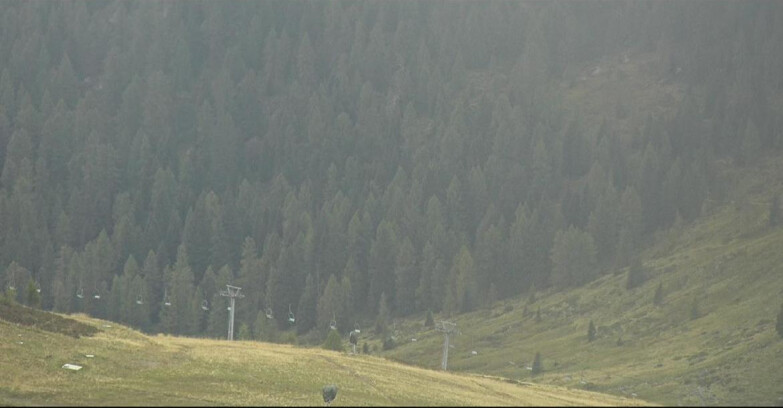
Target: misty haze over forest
361, 161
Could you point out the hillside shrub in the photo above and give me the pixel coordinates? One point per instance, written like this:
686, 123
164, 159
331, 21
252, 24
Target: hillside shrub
244, 332
591, 332
288, 337
389, 343
333, 341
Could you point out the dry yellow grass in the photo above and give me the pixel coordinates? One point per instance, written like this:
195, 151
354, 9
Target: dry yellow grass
130, 368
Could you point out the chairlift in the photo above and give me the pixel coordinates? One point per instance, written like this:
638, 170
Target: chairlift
291, 318
166, 300
12, 283
97, 296
139, 300
37, 287
356, 327
80, 293
333, 323
204, 305
268, 313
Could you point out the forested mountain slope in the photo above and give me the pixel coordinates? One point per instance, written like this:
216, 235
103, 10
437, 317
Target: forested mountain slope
363, 159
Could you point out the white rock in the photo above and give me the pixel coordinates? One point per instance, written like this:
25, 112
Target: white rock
73, 367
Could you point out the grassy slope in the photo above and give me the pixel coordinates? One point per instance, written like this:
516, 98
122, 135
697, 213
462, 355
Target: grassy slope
729, 260
130, 368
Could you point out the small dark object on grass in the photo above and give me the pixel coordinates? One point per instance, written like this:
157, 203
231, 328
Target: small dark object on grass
329, 393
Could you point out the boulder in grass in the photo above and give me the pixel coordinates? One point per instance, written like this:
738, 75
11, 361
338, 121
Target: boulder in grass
329, 393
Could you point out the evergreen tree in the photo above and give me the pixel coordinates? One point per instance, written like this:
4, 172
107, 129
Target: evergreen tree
333, 341
695, 312
306, 311
428, 320
382, 260
32, 298
573, 258
537, 365
636, 274
779, 323
179, 317
406, 279
244, 332
658, 297
383, 315
774, 211
591, 332
463, 270
264, 328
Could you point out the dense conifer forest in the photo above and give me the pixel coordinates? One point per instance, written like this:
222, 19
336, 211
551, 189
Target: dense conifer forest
351, 160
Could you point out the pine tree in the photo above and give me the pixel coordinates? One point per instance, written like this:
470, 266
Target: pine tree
407, 279
636, 274
306, 311
774, 211
537, 367
333, 341
383, 315
695, 310
658, 297
244, 332
264, 328
573, 258
33, 298
779, 324
591, 332
428, 320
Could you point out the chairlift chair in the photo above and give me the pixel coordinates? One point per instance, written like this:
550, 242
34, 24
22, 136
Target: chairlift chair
356, 327
291, 318
80, 293
139, 300
97, 294
204, 305
12, 283
268, 313
333, 323
37, 287
166, 300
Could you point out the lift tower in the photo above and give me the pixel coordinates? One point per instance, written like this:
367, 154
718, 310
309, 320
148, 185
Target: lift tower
232, 292
448, 328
